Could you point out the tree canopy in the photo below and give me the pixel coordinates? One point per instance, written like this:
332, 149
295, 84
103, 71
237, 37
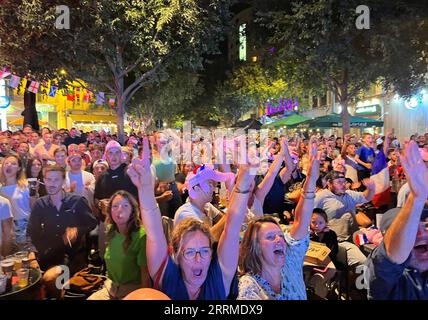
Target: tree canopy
320, 39
120, 46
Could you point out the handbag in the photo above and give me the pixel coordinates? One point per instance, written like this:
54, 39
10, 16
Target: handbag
83, 283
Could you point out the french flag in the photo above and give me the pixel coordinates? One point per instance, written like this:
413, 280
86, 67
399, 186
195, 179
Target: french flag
361, 239
380, 177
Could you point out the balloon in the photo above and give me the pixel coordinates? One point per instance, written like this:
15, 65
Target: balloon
146, 294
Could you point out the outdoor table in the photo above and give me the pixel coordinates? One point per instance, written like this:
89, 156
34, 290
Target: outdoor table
30, 292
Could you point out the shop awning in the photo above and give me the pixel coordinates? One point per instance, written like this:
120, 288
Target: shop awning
92, 118
334, 121
289, 121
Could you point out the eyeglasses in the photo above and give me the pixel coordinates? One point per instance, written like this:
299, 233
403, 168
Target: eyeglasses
190, 254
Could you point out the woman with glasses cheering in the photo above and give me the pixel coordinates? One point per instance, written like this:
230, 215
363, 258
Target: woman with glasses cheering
194, 270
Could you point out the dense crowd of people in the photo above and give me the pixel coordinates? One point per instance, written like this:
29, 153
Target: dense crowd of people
202, 229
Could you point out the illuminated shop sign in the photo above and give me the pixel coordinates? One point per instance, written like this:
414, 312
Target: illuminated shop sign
283, 105
368, 106
367, 109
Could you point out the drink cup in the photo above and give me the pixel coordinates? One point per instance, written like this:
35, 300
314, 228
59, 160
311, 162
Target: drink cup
26, 262
7, 266
23, 277
21, 254
19, 257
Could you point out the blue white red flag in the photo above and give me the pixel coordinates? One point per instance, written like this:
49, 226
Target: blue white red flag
380, 177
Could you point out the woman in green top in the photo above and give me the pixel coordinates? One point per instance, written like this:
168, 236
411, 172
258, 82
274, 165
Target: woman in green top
125, 255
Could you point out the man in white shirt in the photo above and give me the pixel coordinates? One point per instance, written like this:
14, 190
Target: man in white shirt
79, 181
201, 184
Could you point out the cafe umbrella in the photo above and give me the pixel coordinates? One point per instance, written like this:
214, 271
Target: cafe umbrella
289, 121
335, 121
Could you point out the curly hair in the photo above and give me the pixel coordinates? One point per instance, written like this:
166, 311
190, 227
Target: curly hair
184, 227
250, 252
133, 224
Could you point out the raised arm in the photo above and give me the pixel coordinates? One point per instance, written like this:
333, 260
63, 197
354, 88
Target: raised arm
400, 238
369, 193
228, 247
285, 173
221, 146
305, 206
345, 144
141, 175
267, 183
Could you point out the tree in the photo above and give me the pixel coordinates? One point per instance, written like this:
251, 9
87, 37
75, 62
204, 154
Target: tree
251, 85
321, 40
168, 99
120, 46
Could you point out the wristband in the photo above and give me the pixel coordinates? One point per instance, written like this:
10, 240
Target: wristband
237, 190
303, 191
306, 197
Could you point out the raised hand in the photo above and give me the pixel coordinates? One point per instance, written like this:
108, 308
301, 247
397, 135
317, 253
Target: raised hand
72, 187
70, 236
139, 170
416, 171
284, 146
347, 137
165, 197
314, 163
247, 172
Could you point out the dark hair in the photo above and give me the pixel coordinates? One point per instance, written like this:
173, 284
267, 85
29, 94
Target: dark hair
321, 180
133, 224
390, 150
321, 213
28, 169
